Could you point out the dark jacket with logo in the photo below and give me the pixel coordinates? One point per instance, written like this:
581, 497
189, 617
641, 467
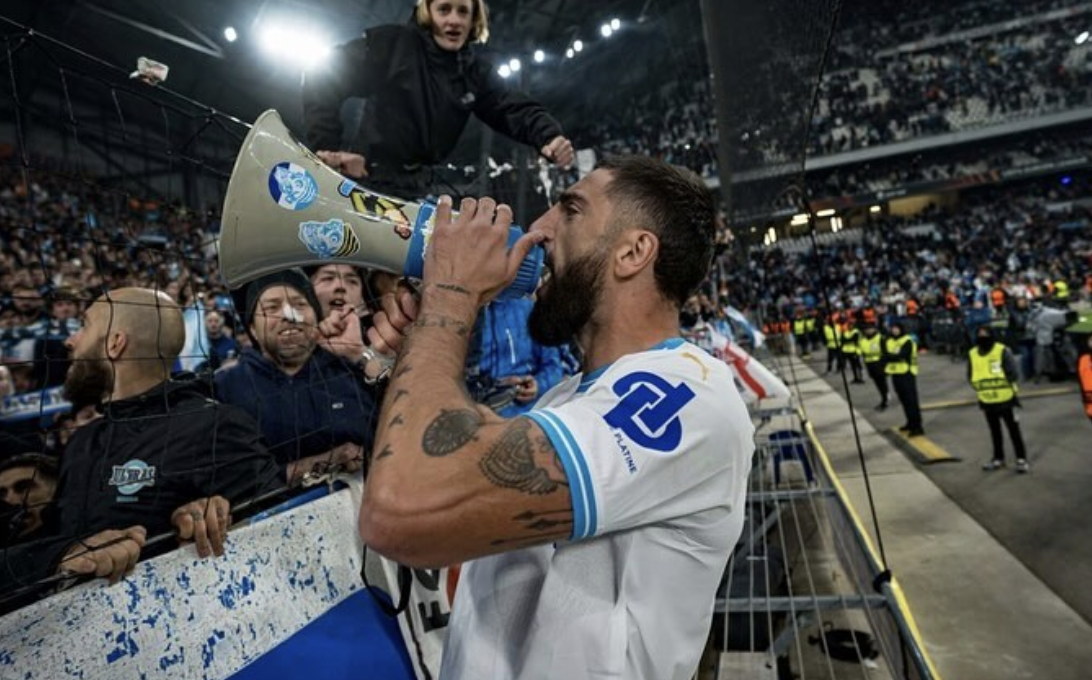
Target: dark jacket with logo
144, 458
419, 98
323, 405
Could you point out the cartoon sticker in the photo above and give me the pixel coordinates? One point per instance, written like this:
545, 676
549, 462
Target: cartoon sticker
375, 207
292, 187
329, 239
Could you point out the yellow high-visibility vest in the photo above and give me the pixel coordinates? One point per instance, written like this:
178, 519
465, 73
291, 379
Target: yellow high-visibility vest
897, 366
871, 348
988, 376
849, 341
1061, 289
799, 327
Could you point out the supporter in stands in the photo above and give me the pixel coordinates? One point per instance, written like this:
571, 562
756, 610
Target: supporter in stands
27, 484
159, 446
221, 347
991, 370
453, 482
303, 384
338, 287
7, 384
507, 370
422, 82
900, 356
1022, 337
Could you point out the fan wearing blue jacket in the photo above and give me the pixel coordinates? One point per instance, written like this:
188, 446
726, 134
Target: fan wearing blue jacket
506, 369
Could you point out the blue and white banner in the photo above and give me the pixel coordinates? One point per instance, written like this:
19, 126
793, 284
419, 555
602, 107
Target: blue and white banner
45, 404
285, 601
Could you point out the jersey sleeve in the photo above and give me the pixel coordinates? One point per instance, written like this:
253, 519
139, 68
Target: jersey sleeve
650, 441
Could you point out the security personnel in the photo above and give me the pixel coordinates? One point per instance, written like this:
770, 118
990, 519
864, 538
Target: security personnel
832, 335
852, 351
800, 334
900, 353
1084, 375
870, 343
1061, 291
992, 372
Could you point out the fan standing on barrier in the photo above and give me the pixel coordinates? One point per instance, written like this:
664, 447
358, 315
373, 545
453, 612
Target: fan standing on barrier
598, 525
421, 82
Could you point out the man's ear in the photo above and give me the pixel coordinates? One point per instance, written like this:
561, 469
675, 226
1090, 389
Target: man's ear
636, 251
116, 342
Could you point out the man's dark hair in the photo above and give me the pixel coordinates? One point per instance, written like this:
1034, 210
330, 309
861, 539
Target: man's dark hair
45, 465
675, 204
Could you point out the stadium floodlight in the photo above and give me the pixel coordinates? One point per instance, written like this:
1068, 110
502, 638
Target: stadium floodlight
578, 45
836, 225
569, 53
514, 65
799, 219
829, 212
505, 70
301, 47
605, 30
540, 56
230, 35
1082, 38
615, 24
875, 209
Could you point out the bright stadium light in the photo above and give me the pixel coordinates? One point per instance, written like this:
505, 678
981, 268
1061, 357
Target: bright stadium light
514, 65
605, 30
1082, 38
540, 56
875, 209
569, 53
230, 35
578, 45
829, 212
615, 24
505, 70
302, 47
799, 219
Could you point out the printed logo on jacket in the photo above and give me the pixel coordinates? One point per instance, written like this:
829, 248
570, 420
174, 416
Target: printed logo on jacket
130, 478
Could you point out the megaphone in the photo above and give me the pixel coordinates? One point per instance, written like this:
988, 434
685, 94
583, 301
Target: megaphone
286, 208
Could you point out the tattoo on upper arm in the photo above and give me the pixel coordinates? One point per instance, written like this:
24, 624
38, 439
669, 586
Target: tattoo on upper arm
450, 431
511, 463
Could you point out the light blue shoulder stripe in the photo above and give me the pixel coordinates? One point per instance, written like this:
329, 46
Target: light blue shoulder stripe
576, 469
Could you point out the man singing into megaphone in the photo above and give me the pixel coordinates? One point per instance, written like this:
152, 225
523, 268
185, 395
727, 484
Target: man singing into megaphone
596, 527
421, 81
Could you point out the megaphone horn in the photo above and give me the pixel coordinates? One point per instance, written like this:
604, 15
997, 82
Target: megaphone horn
286, 208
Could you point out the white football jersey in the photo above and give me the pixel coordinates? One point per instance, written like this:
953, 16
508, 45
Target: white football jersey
657, 448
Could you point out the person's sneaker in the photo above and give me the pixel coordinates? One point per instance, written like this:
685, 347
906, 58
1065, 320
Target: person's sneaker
1022, 465
882, 406
994, 464
915, 433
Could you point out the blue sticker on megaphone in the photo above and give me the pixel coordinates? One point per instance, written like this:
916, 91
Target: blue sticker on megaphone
292, 187
329, 239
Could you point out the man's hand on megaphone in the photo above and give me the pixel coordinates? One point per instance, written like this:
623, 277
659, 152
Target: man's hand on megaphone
469, 255
347, 163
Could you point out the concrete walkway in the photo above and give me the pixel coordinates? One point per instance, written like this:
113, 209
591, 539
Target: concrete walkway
982, 613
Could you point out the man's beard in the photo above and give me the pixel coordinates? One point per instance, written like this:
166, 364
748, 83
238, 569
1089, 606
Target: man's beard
88, 382
566, 304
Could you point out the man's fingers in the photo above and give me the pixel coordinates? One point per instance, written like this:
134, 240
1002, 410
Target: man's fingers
216, 520
521, 250
200, 533
443, 210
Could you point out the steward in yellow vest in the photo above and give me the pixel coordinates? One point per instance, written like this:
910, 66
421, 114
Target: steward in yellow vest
900, 353
870, 344
991, 370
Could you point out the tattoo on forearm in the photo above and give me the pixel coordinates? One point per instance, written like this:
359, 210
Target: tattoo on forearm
461, 328
450, 431
510, 462
403, 368
398, 395
535, 538
387, 451
540, 521
396, 420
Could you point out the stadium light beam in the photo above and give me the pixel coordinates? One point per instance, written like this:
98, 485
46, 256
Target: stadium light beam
301, 47
504, 71
230, 34
1082, 38
578, 45
605, 30
569, 53
514, 65
615, 24
540, 56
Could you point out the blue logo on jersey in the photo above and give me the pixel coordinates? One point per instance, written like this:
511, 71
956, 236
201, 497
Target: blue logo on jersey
649, 409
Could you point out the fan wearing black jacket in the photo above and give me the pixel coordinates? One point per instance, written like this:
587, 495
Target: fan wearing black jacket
163, 456
422, 82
